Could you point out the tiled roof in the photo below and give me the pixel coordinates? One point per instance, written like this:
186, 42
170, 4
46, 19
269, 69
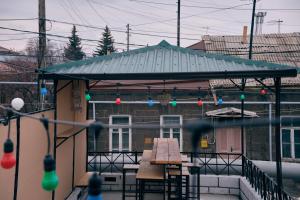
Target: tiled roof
281, 48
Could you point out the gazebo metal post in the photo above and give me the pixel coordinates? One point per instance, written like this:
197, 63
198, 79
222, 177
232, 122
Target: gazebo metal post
242, 126
277, 81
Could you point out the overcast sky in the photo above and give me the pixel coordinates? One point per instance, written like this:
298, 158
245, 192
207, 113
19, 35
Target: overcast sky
199, 17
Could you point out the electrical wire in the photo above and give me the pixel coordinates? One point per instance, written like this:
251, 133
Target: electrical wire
61, 36
19, 19
214, 7
196, 123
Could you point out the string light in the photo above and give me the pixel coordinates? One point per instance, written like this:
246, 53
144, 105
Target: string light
94, 188
220, 100
174, 102
17, 103
43, 89
150, 100
50, 179
242, 97
118, 99
8, 159
199, 102
263, 91
87, 96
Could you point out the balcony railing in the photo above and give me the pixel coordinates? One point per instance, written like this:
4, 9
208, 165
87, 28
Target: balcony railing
207, 163
263, 184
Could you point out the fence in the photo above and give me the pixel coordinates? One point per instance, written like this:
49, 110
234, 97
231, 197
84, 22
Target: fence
207, 163
263, 184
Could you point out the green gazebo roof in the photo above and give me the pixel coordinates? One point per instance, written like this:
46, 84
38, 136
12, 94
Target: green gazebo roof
165, 61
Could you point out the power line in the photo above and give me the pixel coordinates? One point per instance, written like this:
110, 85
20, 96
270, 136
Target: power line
19, 19
214, 7
97, 13
61, 36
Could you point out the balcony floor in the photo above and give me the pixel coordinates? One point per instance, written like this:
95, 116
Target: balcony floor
118, 195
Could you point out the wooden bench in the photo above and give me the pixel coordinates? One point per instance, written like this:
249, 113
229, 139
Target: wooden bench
147, 171
176, 172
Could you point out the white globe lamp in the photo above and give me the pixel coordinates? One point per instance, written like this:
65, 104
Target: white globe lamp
17, 103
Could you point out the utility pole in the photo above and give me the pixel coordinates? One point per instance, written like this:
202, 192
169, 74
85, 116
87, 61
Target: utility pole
42, 45
252, 29
178, 23
279, 21
127, 32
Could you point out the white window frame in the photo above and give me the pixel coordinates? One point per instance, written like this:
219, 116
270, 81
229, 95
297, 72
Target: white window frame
292, 141
120, 132
171, 131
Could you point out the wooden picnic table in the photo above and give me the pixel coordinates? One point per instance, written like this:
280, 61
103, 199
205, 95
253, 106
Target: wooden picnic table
166, 152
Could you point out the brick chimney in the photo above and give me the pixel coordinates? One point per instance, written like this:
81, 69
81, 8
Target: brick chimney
244, 39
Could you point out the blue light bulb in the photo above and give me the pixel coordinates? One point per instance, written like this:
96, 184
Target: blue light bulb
98, 197
220, 101
43, 91
150, 102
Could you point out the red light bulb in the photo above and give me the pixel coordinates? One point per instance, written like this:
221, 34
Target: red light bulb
263, 91
8, 159
200, 102
118, 100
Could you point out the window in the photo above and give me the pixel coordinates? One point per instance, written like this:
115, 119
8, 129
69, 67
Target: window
290, 139
120, 134
171, 132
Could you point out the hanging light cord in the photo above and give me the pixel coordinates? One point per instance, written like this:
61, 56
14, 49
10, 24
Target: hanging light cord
45, 122
9, 115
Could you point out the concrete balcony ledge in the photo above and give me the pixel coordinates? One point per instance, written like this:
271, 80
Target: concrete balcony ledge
234, 186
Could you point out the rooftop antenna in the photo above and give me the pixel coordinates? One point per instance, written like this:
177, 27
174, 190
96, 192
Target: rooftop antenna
259, 20
278, 22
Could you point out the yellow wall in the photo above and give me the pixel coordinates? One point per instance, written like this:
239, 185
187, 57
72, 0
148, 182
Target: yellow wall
64, 162
33, 146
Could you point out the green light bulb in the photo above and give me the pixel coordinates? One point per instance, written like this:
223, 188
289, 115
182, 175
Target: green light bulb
173, 103
87, 96
50, 181
242, 97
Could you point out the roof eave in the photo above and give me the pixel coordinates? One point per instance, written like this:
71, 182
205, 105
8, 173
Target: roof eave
174, 76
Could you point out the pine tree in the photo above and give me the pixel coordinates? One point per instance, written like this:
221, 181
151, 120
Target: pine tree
106, 44
74, 50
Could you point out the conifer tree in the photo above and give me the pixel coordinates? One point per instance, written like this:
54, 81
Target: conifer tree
106, 44
73, 51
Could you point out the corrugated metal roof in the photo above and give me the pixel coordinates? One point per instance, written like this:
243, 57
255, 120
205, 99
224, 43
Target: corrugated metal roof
283, 48
161, 59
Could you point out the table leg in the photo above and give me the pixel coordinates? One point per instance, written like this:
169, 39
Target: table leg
180, 182
198, 182
164, 189
136, 189
187, 187
124, 182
